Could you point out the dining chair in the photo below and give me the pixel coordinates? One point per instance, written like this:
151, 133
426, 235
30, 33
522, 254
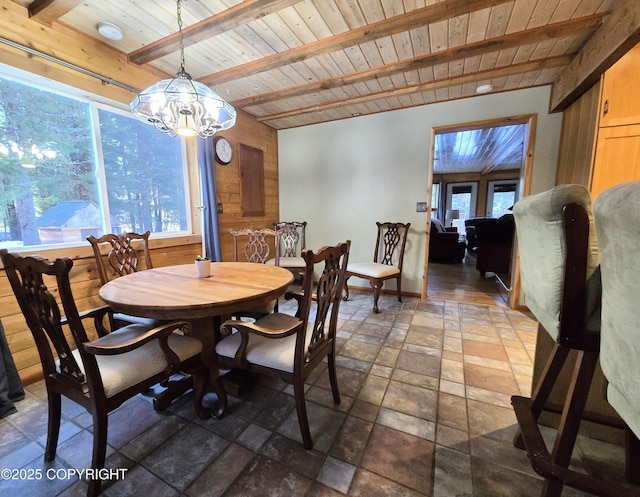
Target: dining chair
122, 257
560, 278
291, 347
616, 213
388, 255
98, 374
292, 242
255, 246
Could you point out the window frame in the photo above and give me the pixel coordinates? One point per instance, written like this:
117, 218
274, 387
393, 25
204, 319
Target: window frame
96, 102
491, 185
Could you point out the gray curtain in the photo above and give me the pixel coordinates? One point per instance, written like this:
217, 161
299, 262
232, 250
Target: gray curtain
211, 233
10, 385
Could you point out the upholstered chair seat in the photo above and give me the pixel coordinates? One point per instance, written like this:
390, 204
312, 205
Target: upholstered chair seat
275, 354
122, 371
373, 269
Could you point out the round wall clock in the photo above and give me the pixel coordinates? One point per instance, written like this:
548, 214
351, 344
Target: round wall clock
223, 150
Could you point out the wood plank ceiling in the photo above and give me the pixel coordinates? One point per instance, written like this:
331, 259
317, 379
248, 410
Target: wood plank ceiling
297, 62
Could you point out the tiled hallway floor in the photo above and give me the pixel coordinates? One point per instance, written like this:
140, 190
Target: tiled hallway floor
425, 411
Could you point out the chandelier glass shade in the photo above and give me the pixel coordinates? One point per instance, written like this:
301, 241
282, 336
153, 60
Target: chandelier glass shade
181, 106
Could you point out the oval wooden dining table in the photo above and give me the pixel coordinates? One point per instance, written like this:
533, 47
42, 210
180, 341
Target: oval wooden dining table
176, 292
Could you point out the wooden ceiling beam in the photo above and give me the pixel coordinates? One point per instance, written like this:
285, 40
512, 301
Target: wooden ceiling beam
513, 40
48, 11
618, 34
537, 65
239, 15
433, 13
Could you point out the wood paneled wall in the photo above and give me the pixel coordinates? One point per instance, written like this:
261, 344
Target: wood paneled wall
247, 132
73, 47
579, 124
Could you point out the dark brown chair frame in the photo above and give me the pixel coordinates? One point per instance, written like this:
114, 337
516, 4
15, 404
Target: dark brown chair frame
323, 328
293, 242
293, 232
43, 316
122, 257
554, 466
256, 248
391, 238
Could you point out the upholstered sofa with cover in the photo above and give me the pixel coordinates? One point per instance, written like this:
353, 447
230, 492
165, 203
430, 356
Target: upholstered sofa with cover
445, 244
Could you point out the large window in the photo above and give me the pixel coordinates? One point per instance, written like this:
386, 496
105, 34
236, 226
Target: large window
461, 200
70, 167
501, 196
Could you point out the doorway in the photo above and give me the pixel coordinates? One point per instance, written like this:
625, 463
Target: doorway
479, 170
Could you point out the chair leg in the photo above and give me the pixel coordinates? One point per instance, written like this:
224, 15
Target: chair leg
346, 289
376, 285
545, 384
399, 288
554, 466
100, 420
53, 430
301, 411
632, 454
571, 416
333, 379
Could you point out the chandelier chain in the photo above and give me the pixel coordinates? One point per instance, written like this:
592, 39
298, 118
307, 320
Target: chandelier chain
181, 41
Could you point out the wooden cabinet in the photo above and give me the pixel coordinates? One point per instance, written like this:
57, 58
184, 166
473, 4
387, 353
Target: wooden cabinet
620, 101
617, 151
617, 158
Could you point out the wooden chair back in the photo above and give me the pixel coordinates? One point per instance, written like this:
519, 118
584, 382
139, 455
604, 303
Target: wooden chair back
293, 237
255, 245
390, 244
44, 318
326, 301
123, 257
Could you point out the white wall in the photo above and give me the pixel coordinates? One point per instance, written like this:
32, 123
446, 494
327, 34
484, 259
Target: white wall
342, 177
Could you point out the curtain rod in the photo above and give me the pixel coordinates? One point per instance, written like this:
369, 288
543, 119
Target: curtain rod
68, 65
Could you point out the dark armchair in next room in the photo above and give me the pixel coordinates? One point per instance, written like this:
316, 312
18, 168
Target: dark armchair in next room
495, 240
445, 243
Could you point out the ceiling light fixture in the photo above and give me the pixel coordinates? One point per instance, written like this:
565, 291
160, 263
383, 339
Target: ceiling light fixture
181, 106
484, 89
109, 30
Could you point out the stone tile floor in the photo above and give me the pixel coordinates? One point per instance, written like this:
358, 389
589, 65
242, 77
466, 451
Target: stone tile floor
425, 411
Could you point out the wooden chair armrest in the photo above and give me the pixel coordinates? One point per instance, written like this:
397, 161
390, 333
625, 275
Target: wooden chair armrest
294, 294
97, 314
274, 325
161, 332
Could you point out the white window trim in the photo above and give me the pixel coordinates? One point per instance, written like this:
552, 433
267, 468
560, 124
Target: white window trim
491, 190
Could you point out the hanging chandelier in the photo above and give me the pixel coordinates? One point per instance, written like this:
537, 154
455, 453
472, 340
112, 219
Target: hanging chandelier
181, 106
